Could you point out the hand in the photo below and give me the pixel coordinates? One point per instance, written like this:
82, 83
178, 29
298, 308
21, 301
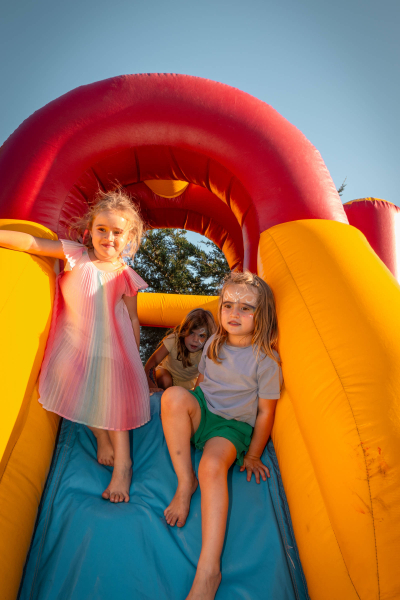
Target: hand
253, 464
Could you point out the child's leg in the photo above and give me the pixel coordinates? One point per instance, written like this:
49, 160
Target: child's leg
118, 488
105, 451
164, 378
180, 415
219, 454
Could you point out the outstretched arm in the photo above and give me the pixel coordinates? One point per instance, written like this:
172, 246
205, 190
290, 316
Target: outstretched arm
153, 361
24, 242
262, 430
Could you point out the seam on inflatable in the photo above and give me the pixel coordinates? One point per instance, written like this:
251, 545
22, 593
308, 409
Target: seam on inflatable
283, 533
177, 168
358, 432
48, 511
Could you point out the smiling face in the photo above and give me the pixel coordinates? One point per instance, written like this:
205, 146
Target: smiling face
110, 235
239, 305
196, 339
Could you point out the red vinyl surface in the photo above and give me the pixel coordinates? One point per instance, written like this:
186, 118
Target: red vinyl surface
379, 221
137, 127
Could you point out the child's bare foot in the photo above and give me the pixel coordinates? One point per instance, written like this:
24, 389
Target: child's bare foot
178, 510
105, 451
205, 585
118, 488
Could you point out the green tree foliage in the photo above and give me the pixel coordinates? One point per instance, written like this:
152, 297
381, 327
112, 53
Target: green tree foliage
170, 264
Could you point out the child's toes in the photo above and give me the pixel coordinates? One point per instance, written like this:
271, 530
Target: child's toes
106, 494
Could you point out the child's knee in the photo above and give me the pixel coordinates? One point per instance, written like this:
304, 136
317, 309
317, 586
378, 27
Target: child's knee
212, 467
173, 398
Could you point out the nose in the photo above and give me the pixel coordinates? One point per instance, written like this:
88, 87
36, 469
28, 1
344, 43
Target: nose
234, 309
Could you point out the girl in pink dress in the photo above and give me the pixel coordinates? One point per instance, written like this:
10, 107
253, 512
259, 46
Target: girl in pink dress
92, 372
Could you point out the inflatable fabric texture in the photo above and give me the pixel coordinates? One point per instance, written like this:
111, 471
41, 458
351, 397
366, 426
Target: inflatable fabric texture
340, 456
379, 221
27, 431
168, 310
146, 559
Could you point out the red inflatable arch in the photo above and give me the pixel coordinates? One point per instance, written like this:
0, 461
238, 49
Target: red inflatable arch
254, 165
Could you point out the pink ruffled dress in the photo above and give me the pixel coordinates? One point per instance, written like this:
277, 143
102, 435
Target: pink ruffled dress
92, 372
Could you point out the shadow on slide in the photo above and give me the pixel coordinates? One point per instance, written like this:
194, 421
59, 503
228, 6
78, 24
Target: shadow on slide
87, 548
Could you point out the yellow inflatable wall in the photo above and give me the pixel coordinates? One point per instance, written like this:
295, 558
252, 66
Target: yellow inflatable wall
337, 426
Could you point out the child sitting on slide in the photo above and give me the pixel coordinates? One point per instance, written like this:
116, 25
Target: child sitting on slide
176, 360
238, 387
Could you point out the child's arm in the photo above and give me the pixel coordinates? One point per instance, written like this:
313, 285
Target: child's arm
24, 242
131, 305
153, 361
199, 380
262, 430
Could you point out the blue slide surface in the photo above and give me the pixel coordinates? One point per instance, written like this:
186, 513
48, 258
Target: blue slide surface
86, 548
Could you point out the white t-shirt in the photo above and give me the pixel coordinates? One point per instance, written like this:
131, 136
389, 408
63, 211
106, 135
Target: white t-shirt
232, 388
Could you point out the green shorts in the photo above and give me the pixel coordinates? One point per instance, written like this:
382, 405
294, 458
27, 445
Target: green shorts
211, 425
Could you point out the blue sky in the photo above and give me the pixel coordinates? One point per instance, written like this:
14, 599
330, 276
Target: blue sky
330, 68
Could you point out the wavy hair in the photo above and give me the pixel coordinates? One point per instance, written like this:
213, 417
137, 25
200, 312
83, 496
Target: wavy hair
265, 334
196, 319
116, 200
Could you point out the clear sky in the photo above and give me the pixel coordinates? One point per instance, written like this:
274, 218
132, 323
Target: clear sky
330, 68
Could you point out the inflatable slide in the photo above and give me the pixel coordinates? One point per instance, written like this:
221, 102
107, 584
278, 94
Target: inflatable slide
202, 156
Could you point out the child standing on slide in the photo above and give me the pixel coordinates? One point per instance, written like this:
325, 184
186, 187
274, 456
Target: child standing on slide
91, 372
176, 360
229, 415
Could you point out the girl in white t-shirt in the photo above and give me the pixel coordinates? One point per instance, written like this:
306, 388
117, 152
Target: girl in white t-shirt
229, 415
176, 360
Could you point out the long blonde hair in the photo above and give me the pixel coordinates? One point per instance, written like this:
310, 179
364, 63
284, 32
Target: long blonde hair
196, 319
116, 200
265, 334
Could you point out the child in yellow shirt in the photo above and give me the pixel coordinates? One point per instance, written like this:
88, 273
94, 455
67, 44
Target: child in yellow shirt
176, 360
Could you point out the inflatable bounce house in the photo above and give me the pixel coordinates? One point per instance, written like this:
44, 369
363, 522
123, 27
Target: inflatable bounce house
203, 156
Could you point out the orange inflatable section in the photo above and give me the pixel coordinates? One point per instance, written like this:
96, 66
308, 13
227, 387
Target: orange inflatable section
337, 430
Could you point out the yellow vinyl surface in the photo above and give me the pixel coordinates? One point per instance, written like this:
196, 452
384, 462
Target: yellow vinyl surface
168, 310
27, 432
337, 430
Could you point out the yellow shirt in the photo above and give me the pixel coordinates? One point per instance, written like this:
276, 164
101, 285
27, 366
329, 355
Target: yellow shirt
185, 377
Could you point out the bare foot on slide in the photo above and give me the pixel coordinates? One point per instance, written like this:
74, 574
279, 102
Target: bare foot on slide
178, 510
205, 585
105, 451
118, 488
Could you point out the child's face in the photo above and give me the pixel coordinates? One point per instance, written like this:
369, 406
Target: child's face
239, 304
110, 234
196, 340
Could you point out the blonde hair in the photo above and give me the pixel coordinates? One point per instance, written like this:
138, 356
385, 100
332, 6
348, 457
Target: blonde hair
116, 200
265, 334
196, 319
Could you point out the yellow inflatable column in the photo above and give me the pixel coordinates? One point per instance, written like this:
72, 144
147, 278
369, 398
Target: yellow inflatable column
337, 429
168, 310
27, 431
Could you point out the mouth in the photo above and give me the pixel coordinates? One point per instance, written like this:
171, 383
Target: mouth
233, 323
193, 348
